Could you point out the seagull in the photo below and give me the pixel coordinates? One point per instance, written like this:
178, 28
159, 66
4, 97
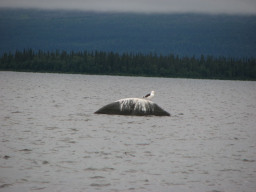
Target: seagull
150, 95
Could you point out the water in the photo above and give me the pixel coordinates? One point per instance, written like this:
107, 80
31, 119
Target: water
51, 140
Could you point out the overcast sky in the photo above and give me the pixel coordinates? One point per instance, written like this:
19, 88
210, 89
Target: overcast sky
141, 6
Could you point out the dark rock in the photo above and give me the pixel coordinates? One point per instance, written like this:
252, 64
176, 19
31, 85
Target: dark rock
133, 106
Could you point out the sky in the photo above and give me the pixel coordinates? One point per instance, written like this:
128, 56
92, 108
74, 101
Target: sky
141, 6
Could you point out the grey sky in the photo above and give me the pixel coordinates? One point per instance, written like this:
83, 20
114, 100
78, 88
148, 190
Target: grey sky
144, 6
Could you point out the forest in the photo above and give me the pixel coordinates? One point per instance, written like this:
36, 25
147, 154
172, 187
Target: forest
132, 64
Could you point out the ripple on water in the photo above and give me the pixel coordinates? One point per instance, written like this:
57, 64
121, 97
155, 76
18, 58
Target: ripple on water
5, 185
100, 184
104, 169
97, 177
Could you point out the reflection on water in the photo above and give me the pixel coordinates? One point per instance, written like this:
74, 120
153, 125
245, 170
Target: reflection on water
51, 140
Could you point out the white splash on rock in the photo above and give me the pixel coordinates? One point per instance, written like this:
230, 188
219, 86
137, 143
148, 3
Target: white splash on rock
136, 104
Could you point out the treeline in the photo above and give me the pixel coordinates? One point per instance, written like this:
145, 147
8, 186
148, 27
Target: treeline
137, 64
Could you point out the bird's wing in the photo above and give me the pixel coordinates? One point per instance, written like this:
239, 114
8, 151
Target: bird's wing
147, 95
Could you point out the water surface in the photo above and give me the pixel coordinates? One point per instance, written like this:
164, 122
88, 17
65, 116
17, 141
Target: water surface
51, 140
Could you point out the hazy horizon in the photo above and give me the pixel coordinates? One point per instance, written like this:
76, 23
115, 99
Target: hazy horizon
241, 7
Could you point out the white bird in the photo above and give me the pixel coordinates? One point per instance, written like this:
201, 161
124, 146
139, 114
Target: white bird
150, 95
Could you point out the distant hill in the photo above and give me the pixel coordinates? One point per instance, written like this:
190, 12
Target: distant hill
182, 34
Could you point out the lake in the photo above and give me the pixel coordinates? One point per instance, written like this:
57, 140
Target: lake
51, 140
